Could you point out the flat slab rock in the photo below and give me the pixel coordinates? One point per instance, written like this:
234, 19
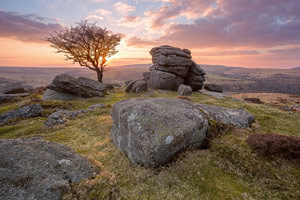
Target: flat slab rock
151, 131
82, 87
37, 169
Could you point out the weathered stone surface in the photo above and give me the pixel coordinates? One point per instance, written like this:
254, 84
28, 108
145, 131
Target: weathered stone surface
166, 50
36, 169
195, 78
34, 110
60, 117
162, 80
8, 97
137, 86
193, 84
184, 90
181, 71
197, 70
53, 95
12, 88
213, 87
152, 130
236, 117
82, 87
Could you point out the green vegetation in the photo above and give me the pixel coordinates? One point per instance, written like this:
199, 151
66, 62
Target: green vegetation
230, 169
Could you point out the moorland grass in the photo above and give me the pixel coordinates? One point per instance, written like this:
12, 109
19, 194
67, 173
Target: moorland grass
230, 169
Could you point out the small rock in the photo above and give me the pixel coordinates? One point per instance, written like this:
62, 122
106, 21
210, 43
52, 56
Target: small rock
137, 86
184, 90
12, 88
217, 95
8, 97
150, 93
53, 95
34, 110
213, 87
96, 106
60, 117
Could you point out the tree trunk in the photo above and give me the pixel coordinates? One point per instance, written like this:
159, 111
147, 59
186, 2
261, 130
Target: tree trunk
99, 76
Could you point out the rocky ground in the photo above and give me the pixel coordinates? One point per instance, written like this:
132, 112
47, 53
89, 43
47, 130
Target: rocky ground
226, 169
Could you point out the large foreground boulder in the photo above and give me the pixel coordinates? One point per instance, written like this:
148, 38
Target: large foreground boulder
82, 87
36, 169
34, 110
151, 131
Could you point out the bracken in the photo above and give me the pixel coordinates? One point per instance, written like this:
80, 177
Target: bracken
270, 144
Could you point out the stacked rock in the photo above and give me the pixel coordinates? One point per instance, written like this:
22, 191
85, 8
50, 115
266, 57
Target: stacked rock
172, 67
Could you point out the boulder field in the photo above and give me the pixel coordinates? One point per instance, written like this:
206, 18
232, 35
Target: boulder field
151, 131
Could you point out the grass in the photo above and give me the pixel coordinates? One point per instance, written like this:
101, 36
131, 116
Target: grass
228, 170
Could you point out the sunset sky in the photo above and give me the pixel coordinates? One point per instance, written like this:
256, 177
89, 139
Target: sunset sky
245, 33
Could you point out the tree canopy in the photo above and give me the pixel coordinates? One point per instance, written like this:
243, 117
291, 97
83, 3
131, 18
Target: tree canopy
86, 44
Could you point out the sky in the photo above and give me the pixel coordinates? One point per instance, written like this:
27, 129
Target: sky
244, 33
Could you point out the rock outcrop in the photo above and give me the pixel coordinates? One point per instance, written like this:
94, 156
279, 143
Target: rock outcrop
81, 87
171, 67
36, 169
34, 110
150, 131
184, 90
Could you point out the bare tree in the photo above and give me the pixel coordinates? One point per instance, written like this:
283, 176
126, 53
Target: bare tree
86, 44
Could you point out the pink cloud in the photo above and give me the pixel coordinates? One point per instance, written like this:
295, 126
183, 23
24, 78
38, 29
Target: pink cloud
229, 23
27, 28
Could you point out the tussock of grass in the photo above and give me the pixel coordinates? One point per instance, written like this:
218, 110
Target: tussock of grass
230, 169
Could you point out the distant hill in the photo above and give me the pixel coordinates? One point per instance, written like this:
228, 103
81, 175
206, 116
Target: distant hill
233, 79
